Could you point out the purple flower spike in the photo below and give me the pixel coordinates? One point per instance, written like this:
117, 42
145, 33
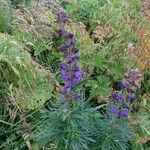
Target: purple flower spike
70, 42
70, 72
70, 35
62, 17
63, 48
75, 67
66, 54
63, 92
127, 92
64, 75
63, 66
133, 76
113, 109
126, 106
78, 75
73, 58
123, 113
118, 97
68, 85
75, 50
122, 84
131, 97
61, 32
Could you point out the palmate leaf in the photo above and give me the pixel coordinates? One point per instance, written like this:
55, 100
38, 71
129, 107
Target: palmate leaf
108, 64
117, 67
99, 87
100, 60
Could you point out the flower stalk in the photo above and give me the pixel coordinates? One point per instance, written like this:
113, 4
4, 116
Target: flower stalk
70, 72
127, 93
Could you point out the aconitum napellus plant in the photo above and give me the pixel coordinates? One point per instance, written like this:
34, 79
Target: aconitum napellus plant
127, 93
70, 72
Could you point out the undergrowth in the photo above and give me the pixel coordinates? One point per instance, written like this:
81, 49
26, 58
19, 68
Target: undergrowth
108, 42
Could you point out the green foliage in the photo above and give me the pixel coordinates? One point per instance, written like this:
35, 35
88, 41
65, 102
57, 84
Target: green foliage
97, 10
86, 11
5, 16
145, 88
24, 87
31, 116
81, 127
142, 131
31, 86
68, 127
100, 87
144, 122
107, 64
24, 2
104, 69
112, 134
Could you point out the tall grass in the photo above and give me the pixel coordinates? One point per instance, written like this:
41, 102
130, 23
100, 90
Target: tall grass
5, 16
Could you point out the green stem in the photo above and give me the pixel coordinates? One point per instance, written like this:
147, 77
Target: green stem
7, 123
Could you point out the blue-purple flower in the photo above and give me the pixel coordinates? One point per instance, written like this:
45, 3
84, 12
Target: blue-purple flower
126, 106
122, 84
127, 92
62, 91
62, 17
131, 97
113, 109
61, 32
118, 96
122, 113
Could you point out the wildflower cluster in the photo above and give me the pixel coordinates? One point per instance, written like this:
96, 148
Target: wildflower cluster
126, 94
70, 72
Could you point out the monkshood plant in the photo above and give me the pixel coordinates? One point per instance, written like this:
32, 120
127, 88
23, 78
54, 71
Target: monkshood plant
70, 72
113, 131
126, 93
69, 123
